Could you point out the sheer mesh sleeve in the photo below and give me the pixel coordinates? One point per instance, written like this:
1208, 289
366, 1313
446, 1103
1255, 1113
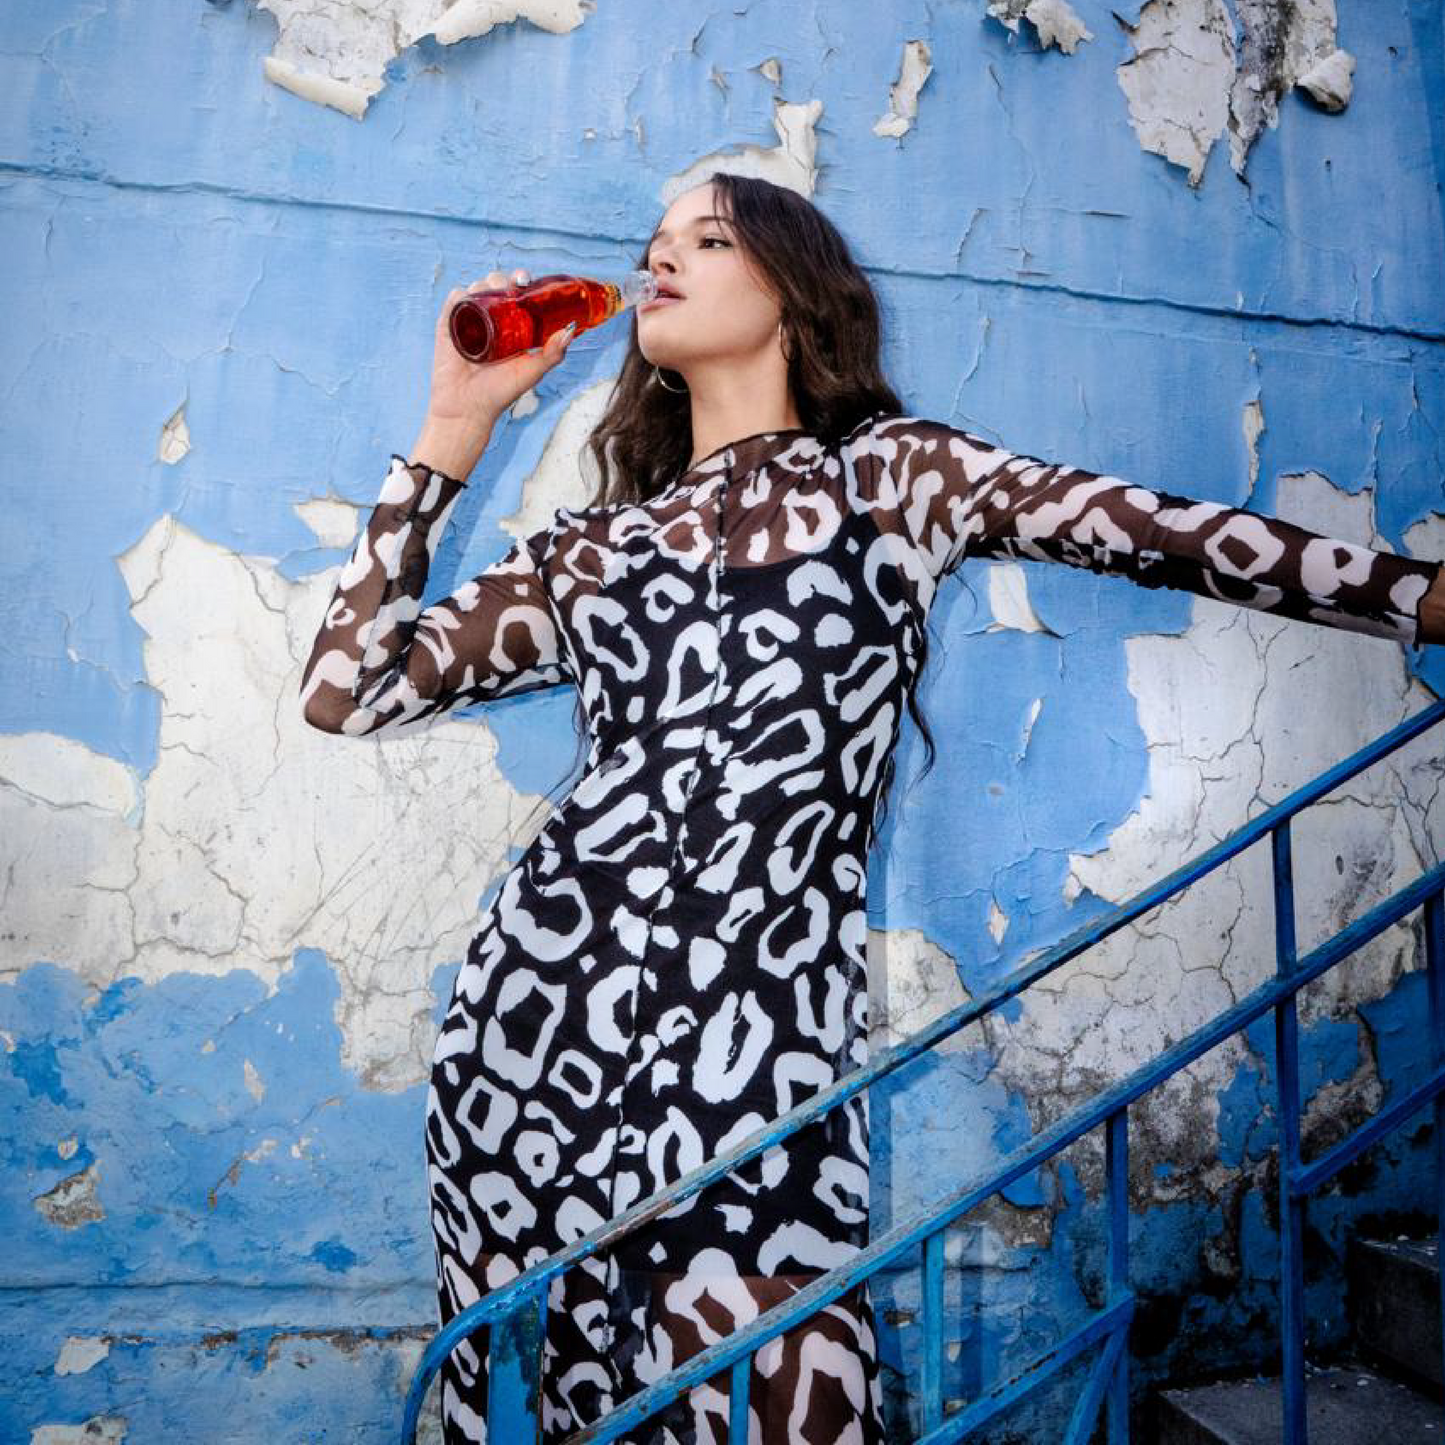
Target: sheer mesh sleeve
961, 496
382, 662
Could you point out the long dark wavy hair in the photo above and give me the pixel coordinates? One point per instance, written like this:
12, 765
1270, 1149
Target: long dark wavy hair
833, 339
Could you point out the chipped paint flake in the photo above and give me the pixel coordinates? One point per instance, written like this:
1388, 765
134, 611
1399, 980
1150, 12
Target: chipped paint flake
1056, 22
1253, 425
175, 437
792, 162
1178, 82
337, 55
997, 921
1008, 600
73, 1202
332, 521
98, 1430
254, 1085
80, 1353
1329, 81
916, 67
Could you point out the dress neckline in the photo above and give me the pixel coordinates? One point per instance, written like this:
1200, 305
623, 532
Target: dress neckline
746, 451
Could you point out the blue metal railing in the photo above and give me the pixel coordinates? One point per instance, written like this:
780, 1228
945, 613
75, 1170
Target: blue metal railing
515, 1314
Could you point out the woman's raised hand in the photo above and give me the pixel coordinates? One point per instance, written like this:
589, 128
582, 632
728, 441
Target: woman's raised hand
466, 396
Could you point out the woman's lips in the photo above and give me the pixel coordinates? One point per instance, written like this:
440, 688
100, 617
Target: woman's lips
658, 301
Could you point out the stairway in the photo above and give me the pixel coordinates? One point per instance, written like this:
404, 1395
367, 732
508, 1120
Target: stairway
1389, 1389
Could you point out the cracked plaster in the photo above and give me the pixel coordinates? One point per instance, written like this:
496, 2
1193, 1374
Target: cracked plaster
254, 835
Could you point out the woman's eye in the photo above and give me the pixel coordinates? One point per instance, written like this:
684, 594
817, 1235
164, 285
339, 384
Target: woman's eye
718, 239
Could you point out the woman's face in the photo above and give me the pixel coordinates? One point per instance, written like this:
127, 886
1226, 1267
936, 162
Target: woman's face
726, 310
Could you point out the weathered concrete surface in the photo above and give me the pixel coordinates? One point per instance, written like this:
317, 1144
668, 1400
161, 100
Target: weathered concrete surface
228, 938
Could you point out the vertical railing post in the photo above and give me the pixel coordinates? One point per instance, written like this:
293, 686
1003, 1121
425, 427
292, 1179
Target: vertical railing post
1116, 1170
514, 1371
1291, 1207
1435, 982
932, 1373
739, 1381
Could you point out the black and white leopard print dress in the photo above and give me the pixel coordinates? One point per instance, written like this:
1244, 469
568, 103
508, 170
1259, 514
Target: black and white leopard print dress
679, 954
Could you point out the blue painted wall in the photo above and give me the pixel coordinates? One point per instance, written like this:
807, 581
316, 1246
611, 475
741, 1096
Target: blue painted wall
178, 231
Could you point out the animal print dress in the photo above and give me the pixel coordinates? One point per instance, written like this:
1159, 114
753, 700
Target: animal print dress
679, 954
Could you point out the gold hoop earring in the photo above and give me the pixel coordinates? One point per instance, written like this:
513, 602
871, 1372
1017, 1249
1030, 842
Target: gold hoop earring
665, 386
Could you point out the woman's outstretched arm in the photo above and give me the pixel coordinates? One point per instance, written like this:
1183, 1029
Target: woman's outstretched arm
963, 497
381, 662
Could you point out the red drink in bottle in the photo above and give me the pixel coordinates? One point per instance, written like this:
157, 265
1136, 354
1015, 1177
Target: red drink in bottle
493, 325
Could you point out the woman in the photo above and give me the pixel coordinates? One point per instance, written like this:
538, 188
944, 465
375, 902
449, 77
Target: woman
678, 956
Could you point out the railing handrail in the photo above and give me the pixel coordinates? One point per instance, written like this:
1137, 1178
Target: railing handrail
531, 1283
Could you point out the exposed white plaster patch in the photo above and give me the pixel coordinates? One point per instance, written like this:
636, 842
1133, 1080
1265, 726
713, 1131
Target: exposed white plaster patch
911, 981
997, 921
792, 162
1056, 22
175, 437
1035, 708
1253, 424
772, 69
73, 1202
80, 1353
1177, 84
1008, 599
1239, 710
259, 835
336, 54
98, 1430
1188, 82
254, 1086
67, 1147
1426, 538
565, 474
332, 521
916, 67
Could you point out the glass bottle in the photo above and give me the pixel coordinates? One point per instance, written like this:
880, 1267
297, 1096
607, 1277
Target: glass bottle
493, 325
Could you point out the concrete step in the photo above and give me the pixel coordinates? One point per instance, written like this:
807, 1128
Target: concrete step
1345, 1406
1394, 1302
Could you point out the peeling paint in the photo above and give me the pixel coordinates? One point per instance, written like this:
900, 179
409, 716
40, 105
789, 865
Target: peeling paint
241, 845
1008, 599
98, 1430
333, 521
1178, 82
566, 474
792, 162
81, 1353
913, 73
1282, 43
1056, 22
73, 1202
336, 54
175, 439
1188, 81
